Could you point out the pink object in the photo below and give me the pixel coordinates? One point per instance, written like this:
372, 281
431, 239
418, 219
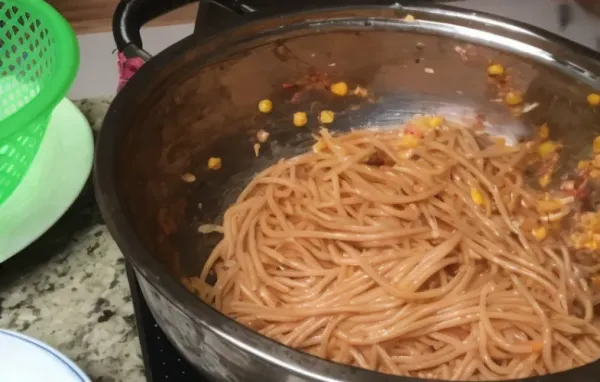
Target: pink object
127, 68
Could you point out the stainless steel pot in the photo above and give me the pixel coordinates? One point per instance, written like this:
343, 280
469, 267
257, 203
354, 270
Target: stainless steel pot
198, 99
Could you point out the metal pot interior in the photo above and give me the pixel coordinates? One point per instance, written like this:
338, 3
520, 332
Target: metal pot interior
199, 100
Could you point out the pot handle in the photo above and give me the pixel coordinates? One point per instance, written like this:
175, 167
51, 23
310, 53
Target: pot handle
131, 15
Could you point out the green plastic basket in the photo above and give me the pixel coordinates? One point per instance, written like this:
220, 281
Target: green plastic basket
39, 58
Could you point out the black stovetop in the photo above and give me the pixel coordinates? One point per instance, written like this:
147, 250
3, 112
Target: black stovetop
162, 362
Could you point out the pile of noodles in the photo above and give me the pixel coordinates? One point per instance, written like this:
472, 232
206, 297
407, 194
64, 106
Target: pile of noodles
409, 257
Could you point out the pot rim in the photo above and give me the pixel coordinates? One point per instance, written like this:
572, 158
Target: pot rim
112, 206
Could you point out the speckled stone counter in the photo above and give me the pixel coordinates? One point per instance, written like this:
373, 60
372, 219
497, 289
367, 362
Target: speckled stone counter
70, 289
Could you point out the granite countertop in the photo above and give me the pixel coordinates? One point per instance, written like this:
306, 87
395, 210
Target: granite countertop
70, 289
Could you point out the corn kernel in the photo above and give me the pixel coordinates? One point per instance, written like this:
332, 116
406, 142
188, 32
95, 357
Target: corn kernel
545, 180
409, 18
262, 136
539, 233
327, 116
477, 196
551, 205
339, 88
265, 106
513, 98
214, 163
361, 92
595, 174
547, 148
593, 99
544, 131
435, 121
409, 141
319, 146
300, 119
592, 245
188, 177
495, 70
583, 165
596, 145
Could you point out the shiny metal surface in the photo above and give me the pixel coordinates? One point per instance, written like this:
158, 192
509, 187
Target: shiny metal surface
591, 6
198, 99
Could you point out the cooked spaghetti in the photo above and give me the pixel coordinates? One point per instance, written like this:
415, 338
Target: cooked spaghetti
419, 251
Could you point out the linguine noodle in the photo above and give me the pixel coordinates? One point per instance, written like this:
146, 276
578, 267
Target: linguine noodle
417, 255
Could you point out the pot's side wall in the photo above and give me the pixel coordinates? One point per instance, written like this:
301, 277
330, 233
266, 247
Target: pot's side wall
204, 349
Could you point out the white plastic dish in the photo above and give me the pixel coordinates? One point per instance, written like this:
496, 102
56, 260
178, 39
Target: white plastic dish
24, 359
55, 179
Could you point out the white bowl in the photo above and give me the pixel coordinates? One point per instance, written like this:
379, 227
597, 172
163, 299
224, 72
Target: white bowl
24, 359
